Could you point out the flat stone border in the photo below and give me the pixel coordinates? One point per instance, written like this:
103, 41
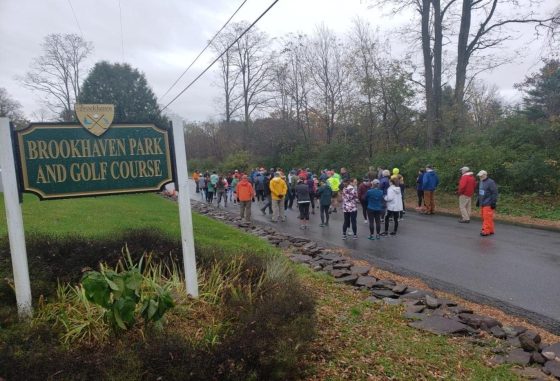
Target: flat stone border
422, 307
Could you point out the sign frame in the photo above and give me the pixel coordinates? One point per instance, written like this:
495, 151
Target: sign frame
24, 186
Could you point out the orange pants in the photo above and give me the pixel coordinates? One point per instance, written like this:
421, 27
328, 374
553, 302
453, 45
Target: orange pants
429, 201
487, 215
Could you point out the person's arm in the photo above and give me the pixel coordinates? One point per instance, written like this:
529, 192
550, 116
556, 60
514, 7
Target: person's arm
493, 189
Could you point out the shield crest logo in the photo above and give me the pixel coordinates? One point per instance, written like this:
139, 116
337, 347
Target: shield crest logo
96, 118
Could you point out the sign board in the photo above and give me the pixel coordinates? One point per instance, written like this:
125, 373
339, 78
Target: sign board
68, 160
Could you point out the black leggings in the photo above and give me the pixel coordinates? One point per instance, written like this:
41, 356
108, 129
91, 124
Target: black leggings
350, 218
303, 211
420, 194
364, 209
374, 216
395, 218
325, 213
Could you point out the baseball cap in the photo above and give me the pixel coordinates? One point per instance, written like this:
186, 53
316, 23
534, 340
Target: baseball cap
482, 173
464, 169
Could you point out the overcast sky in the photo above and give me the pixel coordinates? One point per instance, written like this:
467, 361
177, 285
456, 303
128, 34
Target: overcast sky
161, 38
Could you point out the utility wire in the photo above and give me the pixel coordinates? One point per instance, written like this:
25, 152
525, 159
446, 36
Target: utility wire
220, 56
76, 19
203, 50
122, 37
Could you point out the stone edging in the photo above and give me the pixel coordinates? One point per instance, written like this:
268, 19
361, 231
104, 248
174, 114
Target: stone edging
425, 310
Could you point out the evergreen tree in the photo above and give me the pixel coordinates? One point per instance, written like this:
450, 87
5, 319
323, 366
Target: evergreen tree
542, 92
127, 89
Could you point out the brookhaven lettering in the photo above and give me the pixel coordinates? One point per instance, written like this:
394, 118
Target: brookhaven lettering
88, 148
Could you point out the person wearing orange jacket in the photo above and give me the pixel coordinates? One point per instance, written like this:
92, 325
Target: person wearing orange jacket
196, 177
467, 184
245, 195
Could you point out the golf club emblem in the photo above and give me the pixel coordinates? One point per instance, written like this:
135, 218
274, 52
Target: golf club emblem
95, 118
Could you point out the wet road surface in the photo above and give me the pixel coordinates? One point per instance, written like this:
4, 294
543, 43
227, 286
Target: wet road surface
517, 269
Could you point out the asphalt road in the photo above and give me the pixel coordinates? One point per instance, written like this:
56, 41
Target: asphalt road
517, 269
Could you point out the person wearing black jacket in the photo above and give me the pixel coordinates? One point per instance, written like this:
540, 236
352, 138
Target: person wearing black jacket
267, 196
487, 199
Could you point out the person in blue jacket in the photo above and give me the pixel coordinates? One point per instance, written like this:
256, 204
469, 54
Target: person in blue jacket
430, 181
375, 208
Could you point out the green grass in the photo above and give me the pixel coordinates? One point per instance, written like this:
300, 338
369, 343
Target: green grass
105, 216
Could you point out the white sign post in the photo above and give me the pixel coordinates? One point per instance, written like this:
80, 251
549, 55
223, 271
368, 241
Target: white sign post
185, 216
15, 222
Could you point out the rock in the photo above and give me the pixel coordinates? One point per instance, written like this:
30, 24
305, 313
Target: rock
349, 279
360, 270
342, 265
530, 373
460, 310
415, 309
309, 246
340, 273
374, 300
529, 341
552, 368
448, 303
538, 358
549, 356
414, 316
498, 332
328, 268
392, 302
514, 331
366, 281
498, 360
514, 342
440, 326
400, 289
284, 244
554, 348
382, 283
317, 267
383, 293
432, 302
331, 257
479, 321
301, 258
518, 357
417, 294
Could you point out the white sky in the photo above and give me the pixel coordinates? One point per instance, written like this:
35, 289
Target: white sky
162, 37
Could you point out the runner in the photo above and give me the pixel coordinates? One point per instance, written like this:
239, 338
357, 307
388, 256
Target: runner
375, 208
303, 200
325, 197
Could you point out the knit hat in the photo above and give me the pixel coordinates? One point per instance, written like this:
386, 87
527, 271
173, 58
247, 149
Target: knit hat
395, 171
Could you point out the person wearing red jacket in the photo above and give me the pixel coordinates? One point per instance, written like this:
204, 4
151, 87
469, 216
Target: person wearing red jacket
467, 183
245, 194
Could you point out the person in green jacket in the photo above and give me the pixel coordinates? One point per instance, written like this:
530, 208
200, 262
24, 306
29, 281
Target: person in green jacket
334, 183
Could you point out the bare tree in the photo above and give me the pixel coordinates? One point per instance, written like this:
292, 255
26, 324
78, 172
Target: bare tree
484, 104
57, 74
330, 76
229, 77
253, 63
494, 17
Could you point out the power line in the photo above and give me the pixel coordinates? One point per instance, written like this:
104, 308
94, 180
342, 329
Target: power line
203, 50
220, 56
76, 19
122, 37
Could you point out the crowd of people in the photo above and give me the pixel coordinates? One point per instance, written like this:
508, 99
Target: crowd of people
378, 196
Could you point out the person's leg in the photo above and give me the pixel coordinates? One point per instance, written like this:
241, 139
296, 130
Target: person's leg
420, 195
301, 208
281, 213
248, 211
353, 220
377, 218
322, 213
346, 223
491, 220
197, 187
468, 207
433, 202
242, 209
275, 209
428, 201
396, 219
328, 216
370, 219
463, 207
305, 213
386, 224
364, 210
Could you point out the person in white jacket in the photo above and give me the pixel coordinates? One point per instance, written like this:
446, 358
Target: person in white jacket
394, 206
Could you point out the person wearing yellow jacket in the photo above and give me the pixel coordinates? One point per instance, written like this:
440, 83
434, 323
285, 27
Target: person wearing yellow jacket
334, 183
278, 190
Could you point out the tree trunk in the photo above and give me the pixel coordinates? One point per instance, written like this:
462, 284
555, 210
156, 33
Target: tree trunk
428, 74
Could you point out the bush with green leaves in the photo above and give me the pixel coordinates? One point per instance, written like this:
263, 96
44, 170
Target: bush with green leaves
119, 293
